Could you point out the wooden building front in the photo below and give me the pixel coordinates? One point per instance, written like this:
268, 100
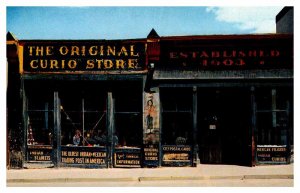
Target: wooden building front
230, 97
153, 102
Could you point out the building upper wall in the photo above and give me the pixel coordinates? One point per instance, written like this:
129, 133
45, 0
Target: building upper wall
285, 21
198, 54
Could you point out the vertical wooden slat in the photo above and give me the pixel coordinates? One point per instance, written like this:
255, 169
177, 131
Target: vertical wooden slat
83, 128
25, 119
57, 131
195, 127
253, 128
110, 128
289, 148
160, 128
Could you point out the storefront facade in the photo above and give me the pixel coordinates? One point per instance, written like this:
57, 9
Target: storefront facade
153, 102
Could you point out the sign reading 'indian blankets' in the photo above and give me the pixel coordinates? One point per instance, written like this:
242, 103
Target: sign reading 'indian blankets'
230, 54
42, 153
98, 56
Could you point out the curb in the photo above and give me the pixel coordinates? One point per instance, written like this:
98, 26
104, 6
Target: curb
64, 180
140, 179
269, 177
243, 177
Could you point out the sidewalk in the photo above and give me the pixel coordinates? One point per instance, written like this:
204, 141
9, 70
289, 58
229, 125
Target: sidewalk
201, 172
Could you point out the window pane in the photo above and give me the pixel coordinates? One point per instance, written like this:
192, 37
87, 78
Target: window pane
129, 129
179, 99
177, 128
83, 111
40, 115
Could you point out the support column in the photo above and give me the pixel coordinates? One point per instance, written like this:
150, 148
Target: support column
195, 126
253, 128
25, 121
110, 128
288, 133
57, 131
151, 128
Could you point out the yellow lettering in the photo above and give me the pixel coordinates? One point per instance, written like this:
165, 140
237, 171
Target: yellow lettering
43, 64
99, 63
30, 50
132, 63
72, 64
63, 50
119, 63
63, 64
90, 64
93, 50
111, 50
132, 51
49, 50
101, 51
123, 51
53, 63
83, 50
108, 64
39, 51
75, 50
32, 64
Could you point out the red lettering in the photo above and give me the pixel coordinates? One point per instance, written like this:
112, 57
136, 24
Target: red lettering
228, 62
204, 54
275, 53
240, 62
215, 63
183, 55
173, 55
215, 54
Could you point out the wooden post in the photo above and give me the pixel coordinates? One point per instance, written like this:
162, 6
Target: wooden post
289, 148
160, 130
110, 128
83, 128
57, 131
253, 127
195, 128
25, 121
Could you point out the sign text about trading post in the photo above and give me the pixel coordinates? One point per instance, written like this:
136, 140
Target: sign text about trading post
91, 57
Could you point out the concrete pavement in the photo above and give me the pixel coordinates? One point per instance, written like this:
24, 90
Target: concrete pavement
201, 172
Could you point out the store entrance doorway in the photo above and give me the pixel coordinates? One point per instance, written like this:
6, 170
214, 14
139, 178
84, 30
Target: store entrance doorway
224, 120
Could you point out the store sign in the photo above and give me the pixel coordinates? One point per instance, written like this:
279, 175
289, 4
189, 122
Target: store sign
80, 56
177, 155
39, 153
218, 54
271, 153
83, 155
127, 157
151, 154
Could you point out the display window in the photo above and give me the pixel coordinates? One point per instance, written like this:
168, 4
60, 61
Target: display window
83, 116
38, 116
176, 116
177, 126
274, 122
274, 115
128, 127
